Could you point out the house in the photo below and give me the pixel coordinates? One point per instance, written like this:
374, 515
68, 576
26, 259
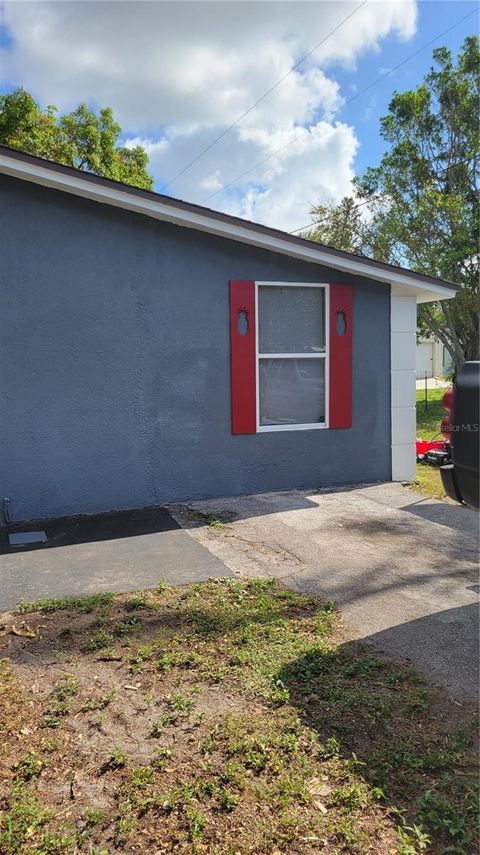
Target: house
153, 350
433, 359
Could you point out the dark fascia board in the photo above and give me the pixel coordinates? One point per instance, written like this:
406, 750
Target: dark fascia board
255, 228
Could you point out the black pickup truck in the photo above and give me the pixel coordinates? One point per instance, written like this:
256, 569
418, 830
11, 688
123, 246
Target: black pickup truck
460, 476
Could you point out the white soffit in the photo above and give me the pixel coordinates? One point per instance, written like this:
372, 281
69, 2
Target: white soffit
401, 281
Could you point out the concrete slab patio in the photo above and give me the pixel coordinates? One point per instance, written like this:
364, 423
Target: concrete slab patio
403, 569
119, 552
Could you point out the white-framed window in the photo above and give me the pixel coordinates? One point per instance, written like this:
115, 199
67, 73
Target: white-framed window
292, 355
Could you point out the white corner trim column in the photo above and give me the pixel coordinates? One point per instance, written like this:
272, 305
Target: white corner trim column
403, 326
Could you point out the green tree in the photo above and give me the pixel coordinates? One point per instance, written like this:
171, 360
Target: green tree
81, 139
341, 225
420, 206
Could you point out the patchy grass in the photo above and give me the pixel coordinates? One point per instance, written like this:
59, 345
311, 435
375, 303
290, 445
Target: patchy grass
428, 480
82, 605
228, 718
428, 420
60, 700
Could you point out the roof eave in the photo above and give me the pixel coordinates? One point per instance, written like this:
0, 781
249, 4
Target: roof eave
230, 228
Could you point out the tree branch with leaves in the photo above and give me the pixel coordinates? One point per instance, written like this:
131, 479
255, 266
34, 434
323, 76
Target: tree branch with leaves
81, 139
420, 206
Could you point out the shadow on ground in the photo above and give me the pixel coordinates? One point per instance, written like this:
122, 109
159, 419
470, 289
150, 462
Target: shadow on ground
449, 515
65, 531
387, 495
442, 644
404, 736
445, 643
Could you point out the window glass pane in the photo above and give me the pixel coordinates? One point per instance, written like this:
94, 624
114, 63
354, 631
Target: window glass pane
291, 319
292, 391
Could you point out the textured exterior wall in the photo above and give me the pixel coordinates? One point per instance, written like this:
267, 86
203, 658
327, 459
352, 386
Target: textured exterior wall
115, 374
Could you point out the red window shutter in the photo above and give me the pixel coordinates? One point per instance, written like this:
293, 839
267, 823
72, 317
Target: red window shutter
340, 380
242, 356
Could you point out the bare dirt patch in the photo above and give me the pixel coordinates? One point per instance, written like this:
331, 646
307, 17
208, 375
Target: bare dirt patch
224, 718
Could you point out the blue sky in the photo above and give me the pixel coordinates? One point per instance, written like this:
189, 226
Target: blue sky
177, 74
433, 17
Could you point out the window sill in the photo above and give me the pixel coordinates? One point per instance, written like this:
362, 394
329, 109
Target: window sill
271, 428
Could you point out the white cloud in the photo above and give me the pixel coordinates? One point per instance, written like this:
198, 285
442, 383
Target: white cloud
316, 163
178, 73
317, 166
212, 183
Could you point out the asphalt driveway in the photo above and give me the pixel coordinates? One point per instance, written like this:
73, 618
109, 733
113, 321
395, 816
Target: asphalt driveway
119, 552
403, 569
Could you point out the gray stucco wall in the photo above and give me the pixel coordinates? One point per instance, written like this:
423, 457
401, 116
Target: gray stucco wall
114, 361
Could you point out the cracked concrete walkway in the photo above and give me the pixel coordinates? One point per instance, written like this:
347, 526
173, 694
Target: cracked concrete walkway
404, 569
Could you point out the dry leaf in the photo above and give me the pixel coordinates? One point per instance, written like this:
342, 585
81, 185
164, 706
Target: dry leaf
316, 787
325, 790
320, 806
24, 631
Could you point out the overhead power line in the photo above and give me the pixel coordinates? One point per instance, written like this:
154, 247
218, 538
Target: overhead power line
381, 195
311, 225
268, 92
342, 107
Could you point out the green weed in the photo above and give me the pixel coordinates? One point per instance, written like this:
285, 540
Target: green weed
82, 605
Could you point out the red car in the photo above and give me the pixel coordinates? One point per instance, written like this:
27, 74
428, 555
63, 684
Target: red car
437, 451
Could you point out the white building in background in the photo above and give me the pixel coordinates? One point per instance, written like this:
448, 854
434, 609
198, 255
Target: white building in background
432, 359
